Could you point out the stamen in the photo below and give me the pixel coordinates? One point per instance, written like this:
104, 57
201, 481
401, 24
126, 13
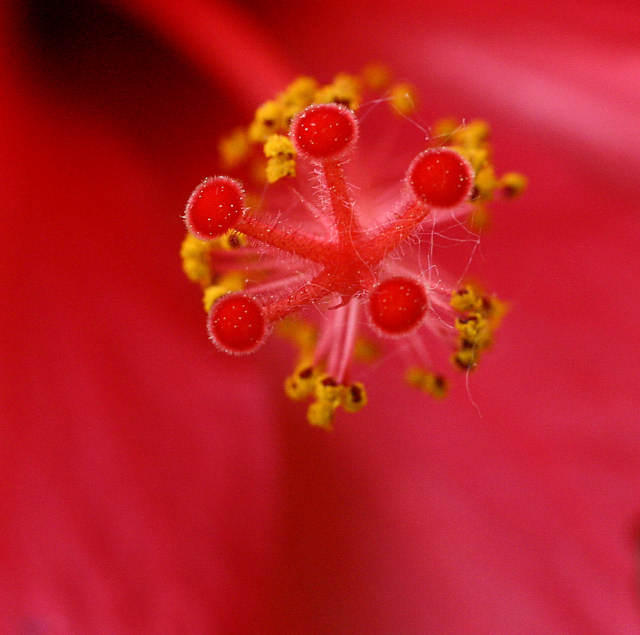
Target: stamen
354, 397
349, 339
336, 341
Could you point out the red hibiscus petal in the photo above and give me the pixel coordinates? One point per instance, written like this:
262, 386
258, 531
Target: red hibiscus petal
152, 485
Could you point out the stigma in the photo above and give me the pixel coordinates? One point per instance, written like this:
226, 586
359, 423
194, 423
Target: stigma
329, 272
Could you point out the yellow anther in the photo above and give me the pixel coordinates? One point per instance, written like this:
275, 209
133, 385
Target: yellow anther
196, 271
404, 98
481, 317
320, 414
345, 89
474, 330
232, 240
468, 298
466, 358
328, 389
195, 259
301, 383
280, 155
436, 385
211, 294
473, 135
233, 281
478, 157
353, 397
445, 127
485, 182
513, 184
277, 168
297, 96
302, 88
193, 247
433, 384
234, 148
269, 119
365, 350
376, 77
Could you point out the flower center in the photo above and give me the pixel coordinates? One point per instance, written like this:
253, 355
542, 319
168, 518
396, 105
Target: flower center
256, 267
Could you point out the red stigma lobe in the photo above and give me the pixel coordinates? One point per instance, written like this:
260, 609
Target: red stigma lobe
214, 207
236, 324
324, 131
397, 305
440, 177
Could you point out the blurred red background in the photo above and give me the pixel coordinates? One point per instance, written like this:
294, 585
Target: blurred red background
151, 485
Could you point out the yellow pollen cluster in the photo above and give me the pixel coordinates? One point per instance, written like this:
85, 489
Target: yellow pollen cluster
431, 383
268, 120
472, 142
196, 263
345, 89
329, 396
281, 159
232, 281
480, 316
302, 382
513, 184
195, 259
229, 241
307, 381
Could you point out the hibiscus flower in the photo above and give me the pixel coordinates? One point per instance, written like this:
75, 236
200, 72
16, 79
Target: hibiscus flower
151, 484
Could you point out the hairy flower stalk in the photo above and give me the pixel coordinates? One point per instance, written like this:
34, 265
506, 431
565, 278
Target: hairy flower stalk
262, 260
